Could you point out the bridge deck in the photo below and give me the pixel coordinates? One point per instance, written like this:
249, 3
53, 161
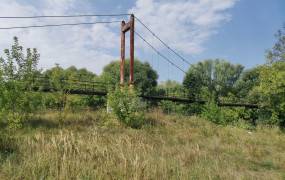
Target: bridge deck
100, 89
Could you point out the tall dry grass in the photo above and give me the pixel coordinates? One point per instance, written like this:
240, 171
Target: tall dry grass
93, 145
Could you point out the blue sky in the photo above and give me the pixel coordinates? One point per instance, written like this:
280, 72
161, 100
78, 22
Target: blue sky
236, 30
250, 32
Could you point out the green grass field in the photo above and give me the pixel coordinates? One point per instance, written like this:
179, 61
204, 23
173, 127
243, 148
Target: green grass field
93, 145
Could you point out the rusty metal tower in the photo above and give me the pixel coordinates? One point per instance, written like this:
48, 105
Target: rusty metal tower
125, 27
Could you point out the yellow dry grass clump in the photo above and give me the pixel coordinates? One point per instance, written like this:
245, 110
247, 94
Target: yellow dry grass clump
93, 145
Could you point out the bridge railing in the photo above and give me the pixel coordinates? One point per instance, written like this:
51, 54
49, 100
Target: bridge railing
169, 92
100, 88
48, 84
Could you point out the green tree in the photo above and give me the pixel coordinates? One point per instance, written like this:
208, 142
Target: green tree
17, 71
212, 79
173, 89
245, 87
277, 53
61, 81
61, 78
272, 91
145, 78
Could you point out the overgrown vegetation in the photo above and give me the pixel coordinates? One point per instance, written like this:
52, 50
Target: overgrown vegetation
213, 81
92, 145
49, 133
17, 72
127, 106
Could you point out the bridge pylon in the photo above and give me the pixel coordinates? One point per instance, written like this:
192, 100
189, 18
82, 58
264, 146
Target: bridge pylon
125, 27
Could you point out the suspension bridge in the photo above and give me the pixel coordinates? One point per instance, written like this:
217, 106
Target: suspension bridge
80, 87
101, 88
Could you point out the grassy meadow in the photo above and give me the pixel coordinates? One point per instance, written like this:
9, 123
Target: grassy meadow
93, 145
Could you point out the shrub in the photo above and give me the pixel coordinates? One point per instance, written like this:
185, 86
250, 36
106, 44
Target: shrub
213, 113
229, 115
220, 115
127, 106
172, 107
95, 102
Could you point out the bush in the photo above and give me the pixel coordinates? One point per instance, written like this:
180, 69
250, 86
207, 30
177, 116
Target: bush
213, 113
218, 115
172, 107
94, 102
229, 115
127, 107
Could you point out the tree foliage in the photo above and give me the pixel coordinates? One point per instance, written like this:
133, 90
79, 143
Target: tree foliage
145, 78
17, 72
277, 53
212, 79
127, 106
245, 87
173, 89
272, 91
62, 80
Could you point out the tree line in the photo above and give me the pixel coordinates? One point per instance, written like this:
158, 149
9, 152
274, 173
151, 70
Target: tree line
213, 80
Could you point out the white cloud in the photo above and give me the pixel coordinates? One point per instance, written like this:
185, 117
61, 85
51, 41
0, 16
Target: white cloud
185, 25
83, 46
101, 34
56, 7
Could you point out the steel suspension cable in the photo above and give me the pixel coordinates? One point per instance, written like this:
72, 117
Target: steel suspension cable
159, 53
164, 43
58, 25
64, 16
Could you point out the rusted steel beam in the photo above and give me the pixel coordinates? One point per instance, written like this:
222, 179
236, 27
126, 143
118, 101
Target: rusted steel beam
252, 106
122, 64
126, 27
173, 99
132, 48
189, 101
130, 26
95, 91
